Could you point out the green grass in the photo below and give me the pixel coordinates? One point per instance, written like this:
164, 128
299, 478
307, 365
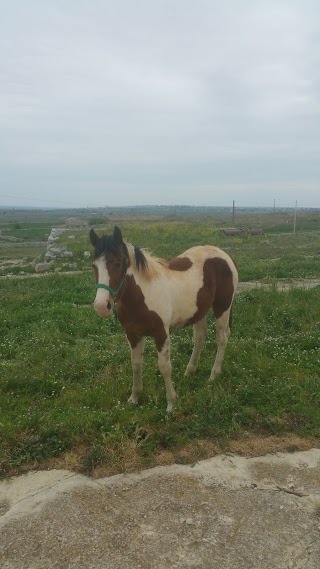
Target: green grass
65, 377
262, 257
16, 258
65, 374
27, 231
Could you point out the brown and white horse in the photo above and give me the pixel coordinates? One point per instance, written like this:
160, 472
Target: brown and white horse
154, 296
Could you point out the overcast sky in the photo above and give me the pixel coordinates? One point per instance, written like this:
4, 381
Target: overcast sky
132, 102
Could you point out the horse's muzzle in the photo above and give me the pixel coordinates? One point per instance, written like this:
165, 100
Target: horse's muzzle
103, 308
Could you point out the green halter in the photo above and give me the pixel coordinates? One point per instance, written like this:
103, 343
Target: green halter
114, 293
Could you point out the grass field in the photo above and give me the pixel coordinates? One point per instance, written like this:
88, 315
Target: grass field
65, 374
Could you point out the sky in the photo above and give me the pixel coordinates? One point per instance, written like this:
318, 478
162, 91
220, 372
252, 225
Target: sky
197, 102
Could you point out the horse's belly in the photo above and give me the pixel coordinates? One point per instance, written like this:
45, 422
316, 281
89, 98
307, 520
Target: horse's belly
175, 325
184, 305
174, 299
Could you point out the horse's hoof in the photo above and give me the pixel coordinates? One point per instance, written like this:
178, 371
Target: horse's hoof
214, 375
170, 405
190, 370
133, 400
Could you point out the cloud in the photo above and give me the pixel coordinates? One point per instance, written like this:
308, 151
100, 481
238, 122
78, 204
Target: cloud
160, 99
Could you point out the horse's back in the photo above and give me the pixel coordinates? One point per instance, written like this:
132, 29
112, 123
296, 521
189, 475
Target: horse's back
201, 254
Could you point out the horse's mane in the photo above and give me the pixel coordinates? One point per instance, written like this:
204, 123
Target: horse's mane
141, 259
144, 261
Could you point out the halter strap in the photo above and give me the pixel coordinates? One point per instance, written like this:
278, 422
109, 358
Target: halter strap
114, 293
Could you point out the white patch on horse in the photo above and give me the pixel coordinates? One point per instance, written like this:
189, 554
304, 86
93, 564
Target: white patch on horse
103, 298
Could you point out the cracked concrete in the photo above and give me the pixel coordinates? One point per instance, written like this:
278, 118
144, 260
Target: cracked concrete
228, 512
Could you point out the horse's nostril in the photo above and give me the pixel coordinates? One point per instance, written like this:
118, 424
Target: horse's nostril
108, 305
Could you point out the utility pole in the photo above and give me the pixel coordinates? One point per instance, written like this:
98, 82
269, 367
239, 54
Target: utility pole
295, 219
233, 212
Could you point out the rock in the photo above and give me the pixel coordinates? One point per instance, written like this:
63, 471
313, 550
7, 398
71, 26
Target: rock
55, 234
87, 254
71, 237
56, 249
49, 257
43, 267
57, 252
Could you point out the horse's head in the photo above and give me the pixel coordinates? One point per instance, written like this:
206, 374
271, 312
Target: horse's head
110, 265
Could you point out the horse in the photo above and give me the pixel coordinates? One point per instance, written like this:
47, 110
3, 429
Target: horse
152, 296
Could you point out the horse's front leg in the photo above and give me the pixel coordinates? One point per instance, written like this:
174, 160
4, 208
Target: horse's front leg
166, 370
137, 348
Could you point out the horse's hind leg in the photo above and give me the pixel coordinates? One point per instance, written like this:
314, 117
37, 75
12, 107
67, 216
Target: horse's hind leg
222, 334
199, 336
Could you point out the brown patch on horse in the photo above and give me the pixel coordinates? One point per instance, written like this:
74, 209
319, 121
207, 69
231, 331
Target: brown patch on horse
217, 290
224, 287
136, 318
180, 264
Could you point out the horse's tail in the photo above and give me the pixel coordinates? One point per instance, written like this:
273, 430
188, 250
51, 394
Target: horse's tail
231, 308
230, 318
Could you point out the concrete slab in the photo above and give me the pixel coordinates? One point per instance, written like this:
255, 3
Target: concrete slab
227, 512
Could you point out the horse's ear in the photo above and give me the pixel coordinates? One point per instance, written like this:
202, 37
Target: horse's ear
117, 236
93, 237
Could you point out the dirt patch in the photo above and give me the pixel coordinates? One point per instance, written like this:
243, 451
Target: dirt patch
41, 275
242, 286
83, 459
260, 446
280, 285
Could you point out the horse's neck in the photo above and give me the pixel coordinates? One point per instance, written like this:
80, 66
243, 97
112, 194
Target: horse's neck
137, 282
